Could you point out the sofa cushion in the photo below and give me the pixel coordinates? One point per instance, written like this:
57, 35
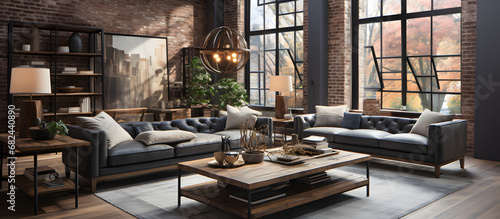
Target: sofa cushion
203, 143
132, 152
361, 137
164, 137
236, 116
142, 127
405, 142
327, 132
427, 118
329, 116
102, 121
351, 120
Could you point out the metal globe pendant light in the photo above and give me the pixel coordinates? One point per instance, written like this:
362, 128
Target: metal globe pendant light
224, 51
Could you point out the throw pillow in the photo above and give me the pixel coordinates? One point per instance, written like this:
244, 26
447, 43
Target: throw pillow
351, 120
427, 118
164, 137
329, 116
244, 109
235, 117
102, 121
142, 127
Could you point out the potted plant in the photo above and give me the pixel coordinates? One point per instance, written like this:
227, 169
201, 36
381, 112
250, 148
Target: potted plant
230, 92
253, 141
48, 131
200, 89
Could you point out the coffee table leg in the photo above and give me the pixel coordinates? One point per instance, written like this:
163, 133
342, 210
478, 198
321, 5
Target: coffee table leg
179, 188
35, 183
249, 200
368, 177
76, 178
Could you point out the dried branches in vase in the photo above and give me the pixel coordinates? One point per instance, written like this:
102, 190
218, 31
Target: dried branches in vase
253, 141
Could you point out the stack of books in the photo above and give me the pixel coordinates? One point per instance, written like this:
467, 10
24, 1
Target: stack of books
314, 178
86, 72
37, 64
85, 104
43, 172
69, 70
259, 196
53, 184
316, 144
74, 109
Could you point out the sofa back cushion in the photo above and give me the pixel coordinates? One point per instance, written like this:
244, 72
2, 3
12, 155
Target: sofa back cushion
330, 116
102, 121
392, 125
427, 118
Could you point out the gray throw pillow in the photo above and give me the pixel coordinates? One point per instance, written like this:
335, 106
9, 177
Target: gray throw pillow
329, 116
142, 127
236, 116
351, 120
427, 118
102, 121
164, 137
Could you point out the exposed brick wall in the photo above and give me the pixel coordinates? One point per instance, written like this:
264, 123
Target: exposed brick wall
182, 21
469, 19
234, 17
305, 77
371, 107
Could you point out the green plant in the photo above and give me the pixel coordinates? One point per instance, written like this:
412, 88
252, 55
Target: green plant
57, 127
200, 90
230, 93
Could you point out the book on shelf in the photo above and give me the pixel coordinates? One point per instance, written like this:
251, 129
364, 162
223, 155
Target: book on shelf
258, 197
314, 178
313, 139
41, 170
316, 146
53, 184
86, 72
319, 150
85, 104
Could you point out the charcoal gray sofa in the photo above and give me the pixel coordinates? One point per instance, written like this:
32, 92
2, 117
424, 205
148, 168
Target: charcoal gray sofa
130, 158
389, 137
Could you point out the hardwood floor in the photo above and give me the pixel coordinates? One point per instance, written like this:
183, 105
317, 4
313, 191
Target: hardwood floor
479, 200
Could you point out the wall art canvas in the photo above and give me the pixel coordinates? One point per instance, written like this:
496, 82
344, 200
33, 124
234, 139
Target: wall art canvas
136, 71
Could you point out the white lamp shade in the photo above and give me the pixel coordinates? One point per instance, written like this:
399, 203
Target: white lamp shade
281, 83
30, 81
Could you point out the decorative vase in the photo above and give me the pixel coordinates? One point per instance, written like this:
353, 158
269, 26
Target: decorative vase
41, 134
75, 43
231, 157
219, 157
252, 158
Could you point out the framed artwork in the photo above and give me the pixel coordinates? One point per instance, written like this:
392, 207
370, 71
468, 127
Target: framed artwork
136, 71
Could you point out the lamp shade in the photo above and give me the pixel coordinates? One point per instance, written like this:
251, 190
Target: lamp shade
224, 51
281, 83
30, 81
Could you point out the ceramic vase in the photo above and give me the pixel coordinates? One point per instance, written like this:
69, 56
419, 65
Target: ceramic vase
75, 43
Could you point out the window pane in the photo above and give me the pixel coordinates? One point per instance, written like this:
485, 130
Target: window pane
418, 36
287, 7
256, 54
446, 34
411, 83
417, 102
270, 41
391, 38
392, 7
254, 97
391, 65
300, 45
391, 100
300, 5
287, 20
418, 5
421, 65
286, 66
447, 63
287, 41
256, 16
270, 98
254, 80
270, 10
442, 4
270, 67
369, 35
392, 81
300, 19
446, 103
449, 86
369, 8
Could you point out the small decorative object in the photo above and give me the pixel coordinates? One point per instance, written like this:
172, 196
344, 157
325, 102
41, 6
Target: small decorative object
35, 39
253, 141
224, 50
281, 83
224, 147
63, 49
184, 103
170, 104
26, 47
46, 131
231, 157
75, 43
220, 156
162, 104
177, 103
295, 139
69, 89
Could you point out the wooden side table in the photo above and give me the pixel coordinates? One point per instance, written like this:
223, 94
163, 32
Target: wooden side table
285, 123
170, 114
29, 146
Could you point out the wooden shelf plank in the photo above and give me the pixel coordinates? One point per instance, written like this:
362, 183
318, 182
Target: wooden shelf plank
59, 94
65, 74
53, 53
296, 194
26, 185
60, 27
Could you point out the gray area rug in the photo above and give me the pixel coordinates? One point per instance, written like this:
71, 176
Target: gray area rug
396, 189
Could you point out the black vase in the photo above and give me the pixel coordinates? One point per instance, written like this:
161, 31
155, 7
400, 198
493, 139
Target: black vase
75, 43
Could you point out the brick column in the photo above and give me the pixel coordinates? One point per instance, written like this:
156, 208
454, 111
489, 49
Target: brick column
469, 18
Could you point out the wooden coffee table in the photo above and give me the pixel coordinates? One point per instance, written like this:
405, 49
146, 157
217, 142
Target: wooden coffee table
254, 176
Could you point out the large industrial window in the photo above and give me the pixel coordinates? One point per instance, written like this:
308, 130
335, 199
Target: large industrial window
408, 54
275, 31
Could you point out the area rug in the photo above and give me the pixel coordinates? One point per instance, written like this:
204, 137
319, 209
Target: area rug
396, 189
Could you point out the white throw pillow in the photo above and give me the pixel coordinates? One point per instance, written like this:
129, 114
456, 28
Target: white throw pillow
102, 121
330, 116
236, 116
427, 118
164, 137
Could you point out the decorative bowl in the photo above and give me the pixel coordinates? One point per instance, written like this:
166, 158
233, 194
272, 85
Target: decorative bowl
219, 157
69, 89
63, 49
252, 158
231, 157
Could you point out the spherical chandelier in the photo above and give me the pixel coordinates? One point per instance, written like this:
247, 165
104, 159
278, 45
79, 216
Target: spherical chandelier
224, 51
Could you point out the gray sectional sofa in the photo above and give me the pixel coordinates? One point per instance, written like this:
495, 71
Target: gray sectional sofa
389, 137
130, 158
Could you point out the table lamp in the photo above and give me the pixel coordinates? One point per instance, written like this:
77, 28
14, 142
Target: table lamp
30, 81
281, 83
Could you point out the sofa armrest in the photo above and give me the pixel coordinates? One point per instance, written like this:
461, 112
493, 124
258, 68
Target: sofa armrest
263, 121
301, 122
97, 155
447, 140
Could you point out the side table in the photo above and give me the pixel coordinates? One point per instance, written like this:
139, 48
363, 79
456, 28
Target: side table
285, 123
29, 146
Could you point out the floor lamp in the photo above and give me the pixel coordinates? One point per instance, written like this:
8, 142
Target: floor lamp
280, 84
30, 81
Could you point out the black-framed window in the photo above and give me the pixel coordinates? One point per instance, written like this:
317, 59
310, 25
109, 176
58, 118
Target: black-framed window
275, 34
408, 54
